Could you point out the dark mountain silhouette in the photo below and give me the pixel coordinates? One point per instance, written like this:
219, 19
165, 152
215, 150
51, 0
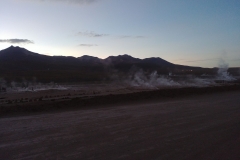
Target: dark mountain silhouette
17, 63
157, 61
16, 52
122, 59
90, 60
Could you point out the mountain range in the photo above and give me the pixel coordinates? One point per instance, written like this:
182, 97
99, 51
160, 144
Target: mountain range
18, 63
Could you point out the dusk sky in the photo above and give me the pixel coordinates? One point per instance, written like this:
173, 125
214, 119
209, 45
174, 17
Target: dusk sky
188, 32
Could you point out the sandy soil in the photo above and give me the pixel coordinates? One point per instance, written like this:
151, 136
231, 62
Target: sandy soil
204, 126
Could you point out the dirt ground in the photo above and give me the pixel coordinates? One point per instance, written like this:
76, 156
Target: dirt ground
200, 126
65, 93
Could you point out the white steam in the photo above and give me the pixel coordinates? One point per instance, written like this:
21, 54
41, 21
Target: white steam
154, 81
29, 86
223, 72
139, 79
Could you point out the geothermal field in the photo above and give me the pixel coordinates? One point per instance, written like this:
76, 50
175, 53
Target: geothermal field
143, 117
119, 80
33, 92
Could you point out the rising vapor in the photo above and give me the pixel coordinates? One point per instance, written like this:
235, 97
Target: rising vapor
91, 34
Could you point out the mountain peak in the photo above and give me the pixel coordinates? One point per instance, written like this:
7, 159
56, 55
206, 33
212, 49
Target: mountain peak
15, 51
157, 61
122, 59
88, 57
12, 47
122, 56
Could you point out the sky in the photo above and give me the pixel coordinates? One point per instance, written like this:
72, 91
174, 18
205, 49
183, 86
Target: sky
189, 32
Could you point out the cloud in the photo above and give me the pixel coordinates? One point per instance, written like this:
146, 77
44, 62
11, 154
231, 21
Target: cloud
16, 41
92, 34
98, 35
87, 45
69, 1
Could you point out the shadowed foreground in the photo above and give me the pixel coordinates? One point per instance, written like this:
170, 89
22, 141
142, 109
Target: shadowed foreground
194, 127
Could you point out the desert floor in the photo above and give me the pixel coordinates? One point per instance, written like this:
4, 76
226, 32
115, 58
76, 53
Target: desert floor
198, 126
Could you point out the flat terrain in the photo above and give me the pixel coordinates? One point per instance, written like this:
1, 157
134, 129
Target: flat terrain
205, 126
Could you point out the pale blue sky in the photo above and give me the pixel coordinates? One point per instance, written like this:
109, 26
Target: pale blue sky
188, 32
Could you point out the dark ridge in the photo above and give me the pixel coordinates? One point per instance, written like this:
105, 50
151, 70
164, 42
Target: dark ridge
17, 63
122, 59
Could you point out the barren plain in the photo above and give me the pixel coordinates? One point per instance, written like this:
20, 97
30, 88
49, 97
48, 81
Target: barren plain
187, 123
